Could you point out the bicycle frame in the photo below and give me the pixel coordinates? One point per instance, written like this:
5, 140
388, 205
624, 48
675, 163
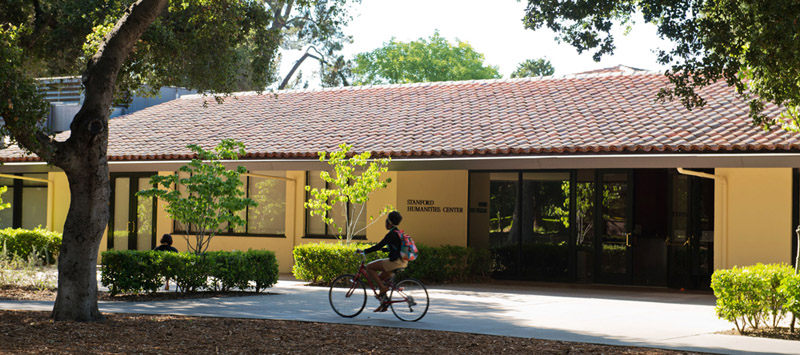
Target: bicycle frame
362, 271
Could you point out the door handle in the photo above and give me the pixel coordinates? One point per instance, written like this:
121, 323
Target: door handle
628, 240
688, 241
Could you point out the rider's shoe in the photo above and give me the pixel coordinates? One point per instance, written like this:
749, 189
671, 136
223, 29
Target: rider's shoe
384, 304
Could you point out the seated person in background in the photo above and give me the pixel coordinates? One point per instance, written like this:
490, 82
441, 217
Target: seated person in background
166, 245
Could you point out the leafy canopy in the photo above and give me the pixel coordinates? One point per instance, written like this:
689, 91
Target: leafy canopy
533, 67
434, 59
752, 45
355, 178
210, 197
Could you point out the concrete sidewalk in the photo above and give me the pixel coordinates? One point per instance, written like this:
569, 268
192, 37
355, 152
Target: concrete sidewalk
605, 315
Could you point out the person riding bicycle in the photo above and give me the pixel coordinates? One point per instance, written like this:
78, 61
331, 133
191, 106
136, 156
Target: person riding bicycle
386, 266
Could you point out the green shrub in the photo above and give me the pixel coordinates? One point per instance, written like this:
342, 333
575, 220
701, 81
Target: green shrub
131, 271
790, 288
266, 274
322, 262
23, 242
145, 271
751, 295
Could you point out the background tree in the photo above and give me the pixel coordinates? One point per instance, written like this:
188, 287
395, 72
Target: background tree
533, 67
215, 46
315, 25
434, 59
209, 198
751, 45
354, 179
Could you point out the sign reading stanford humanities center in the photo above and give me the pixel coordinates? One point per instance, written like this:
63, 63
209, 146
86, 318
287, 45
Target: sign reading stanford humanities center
430, 206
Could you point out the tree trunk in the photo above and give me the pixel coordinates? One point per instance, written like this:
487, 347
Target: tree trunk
83, 231
83, 157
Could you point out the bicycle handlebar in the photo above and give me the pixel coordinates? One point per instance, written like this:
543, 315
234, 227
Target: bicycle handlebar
363, 255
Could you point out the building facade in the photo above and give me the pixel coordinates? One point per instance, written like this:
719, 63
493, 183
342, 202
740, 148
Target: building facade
582, 178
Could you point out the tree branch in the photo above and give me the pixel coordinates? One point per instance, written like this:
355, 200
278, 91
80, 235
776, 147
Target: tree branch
101, 72
297, 64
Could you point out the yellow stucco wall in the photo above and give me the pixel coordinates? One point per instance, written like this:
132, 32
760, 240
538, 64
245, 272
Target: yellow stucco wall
434, 206
57, 212
753, 221
377, 201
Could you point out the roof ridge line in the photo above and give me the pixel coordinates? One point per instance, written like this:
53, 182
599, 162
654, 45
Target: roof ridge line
633, 72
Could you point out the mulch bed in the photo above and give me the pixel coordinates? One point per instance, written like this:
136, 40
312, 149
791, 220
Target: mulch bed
25, 332
29, 332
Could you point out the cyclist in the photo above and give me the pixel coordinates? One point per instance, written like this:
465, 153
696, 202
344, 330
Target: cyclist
386, 266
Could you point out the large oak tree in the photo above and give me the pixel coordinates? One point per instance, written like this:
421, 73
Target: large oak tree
213, 46
753, 45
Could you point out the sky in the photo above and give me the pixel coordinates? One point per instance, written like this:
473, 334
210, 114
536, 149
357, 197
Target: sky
493, 28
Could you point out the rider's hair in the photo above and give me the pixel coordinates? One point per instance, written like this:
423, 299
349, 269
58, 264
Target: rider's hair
394, 217
166, 239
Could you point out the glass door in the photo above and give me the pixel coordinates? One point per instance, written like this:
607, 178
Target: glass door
614, 245
690, 243
132, 222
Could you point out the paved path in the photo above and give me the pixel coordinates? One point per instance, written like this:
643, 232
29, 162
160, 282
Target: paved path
605, 315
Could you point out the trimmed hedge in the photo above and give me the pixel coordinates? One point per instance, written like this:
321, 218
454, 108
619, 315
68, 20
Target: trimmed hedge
322, 262
22, 242
134, 271
756, 295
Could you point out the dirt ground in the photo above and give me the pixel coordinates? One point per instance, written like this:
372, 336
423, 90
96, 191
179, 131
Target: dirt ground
27, 332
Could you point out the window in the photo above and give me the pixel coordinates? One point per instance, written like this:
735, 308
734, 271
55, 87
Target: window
266, 219
316, 227
28, 202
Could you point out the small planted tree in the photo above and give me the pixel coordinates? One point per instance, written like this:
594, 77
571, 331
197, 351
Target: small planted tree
354, 178
209, 198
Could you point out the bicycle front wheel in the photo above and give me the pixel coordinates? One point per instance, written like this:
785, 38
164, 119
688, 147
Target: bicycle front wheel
409, 300
347, 296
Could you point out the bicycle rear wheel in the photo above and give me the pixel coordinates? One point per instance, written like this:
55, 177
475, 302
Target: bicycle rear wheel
409, 300
347, 296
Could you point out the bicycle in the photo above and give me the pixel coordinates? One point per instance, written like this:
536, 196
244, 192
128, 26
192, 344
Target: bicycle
408, 298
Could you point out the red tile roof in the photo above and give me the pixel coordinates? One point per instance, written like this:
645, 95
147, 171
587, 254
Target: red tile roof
595, 113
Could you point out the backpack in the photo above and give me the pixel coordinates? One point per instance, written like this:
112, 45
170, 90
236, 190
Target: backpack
408, 250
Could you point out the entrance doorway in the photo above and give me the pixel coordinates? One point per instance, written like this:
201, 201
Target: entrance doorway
132, 224
690, 242
649, 227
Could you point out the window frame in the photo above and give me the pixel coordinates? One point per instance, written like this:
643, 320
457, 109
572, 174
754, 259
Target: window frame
230, 231
307, 216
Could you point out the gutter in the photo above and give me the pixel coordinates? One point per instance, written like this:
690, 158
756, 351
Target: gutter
724, 223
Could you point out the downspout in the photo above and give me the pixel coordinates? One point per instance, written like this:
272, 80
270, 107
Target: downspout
724, 228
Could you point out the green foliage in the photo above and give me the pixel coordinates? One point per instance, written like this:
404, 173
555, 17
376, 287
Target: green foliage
322, 262
533, 67
354, 179
419, 61
212, 195
133, 271
449, 263
790, 288
751, 45
752, 296
228, 270
23, 242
